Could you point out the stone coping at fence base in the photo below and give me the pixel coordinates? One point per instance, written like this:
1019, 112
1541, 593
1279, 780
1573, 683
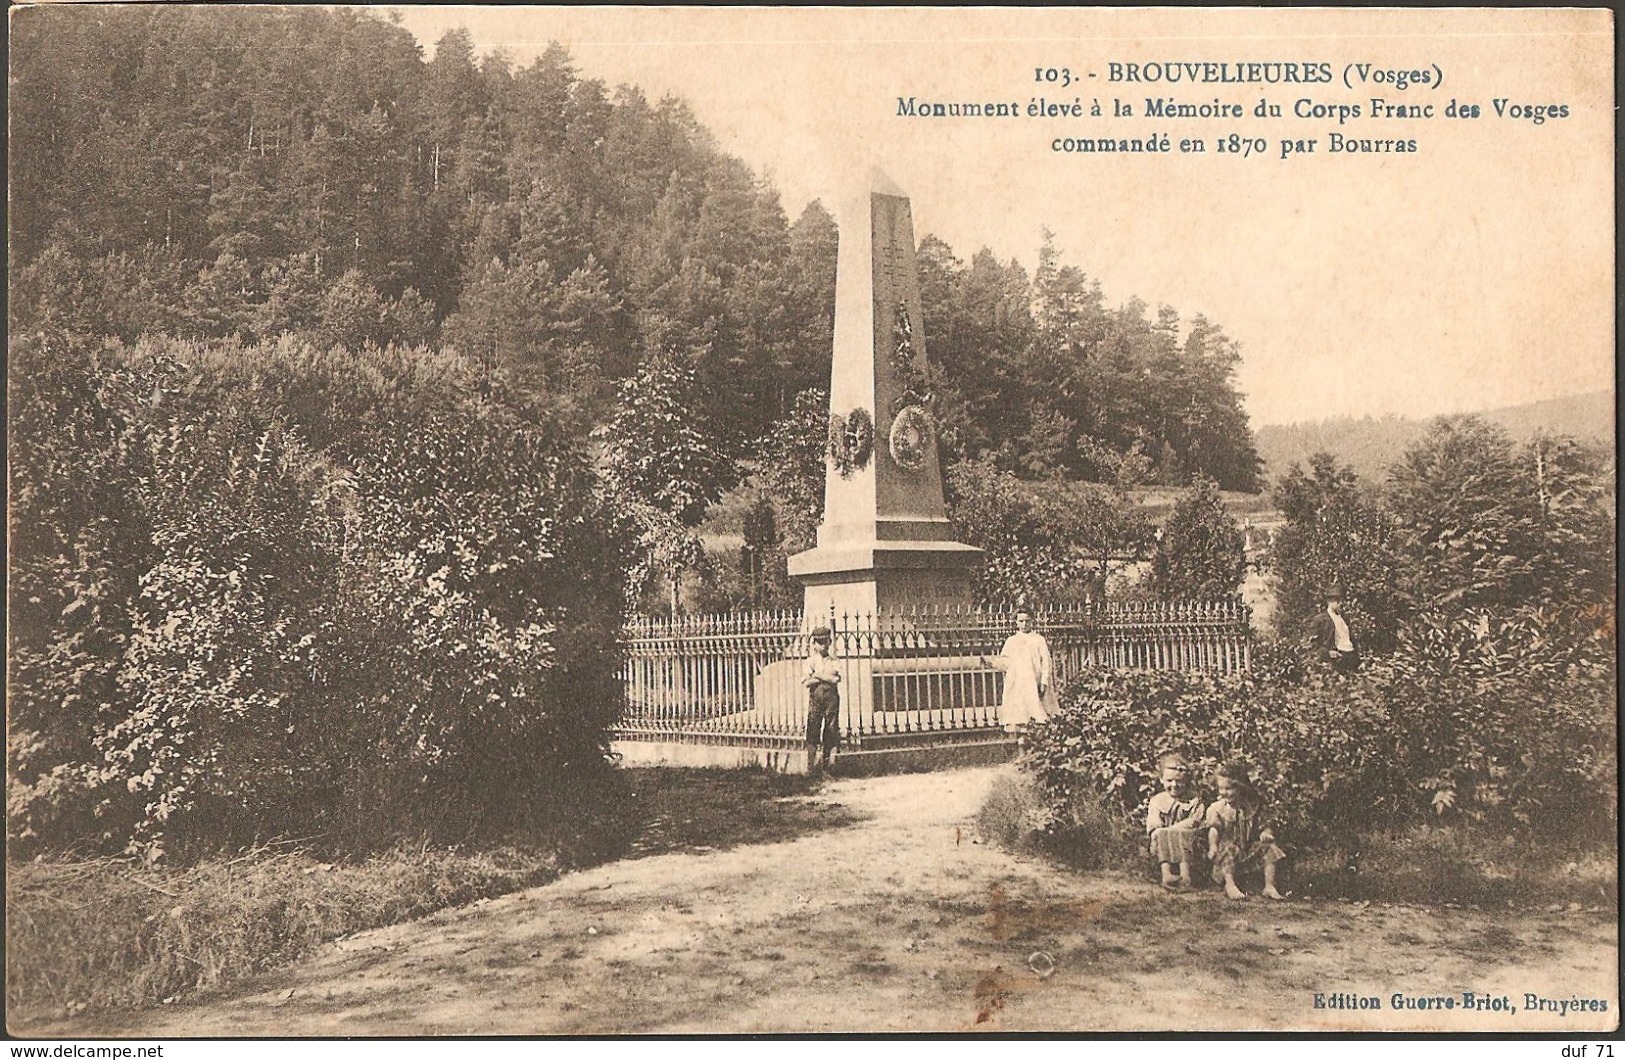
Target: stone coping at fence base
896, 753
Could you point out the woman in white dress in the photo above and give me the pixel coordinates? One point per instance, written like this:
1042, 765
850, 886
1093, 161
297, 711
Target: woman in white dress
1029, 676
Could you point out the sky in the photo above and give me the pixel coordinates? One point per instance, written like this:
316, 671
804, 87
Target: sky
1473, 273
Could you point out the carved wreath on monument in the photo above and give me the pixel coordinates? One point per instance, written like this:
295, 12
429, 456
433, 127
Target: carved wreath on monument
851, 440
911, 425
910, 435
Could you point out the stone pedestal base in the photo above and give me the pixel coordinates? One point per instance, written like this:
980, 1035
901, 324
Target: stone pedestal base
884, 577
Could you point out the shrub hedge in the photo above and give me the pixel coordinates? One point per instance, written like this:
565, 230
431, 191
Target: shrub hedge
274, 590
1503, 723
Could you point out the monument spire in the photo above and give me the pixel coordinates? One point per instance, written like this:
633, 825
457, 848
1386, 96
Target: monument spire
885, 539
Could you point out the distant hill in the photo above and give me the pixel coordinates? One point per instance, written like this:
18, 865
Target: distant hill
1589, 416
1371, 444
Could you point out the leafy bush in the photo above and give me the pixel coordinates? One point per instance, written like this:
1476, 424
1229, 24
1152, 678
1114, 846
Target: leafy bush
1495, 724
1511, 718
270, 590
1016, 816
79, 547
1014, 813
221, 672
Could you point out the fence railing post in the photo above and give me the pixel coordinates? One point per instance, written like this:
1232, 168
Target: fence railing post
907, 671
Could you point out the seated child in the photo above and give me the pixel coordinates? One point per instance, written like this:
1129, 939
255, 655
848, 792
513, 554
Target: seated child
1172, 821
1238, 839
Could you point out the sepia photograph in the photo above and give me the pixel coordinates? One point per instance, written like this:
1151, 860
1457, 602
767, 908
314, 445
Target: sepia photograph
632, 521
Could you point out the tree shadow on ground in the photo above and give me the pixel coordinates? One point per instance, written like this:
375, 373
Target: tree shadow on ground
696, 810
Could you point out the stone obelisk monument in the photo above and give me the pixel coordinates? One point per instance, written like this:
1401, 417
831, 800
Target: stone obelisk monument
885, 542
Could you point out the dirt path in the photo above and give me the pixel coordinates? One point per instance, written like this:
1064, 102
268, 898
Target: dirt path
880, 914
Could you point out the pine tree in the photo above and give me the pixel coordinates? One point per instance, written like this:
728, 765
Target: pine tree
353, 314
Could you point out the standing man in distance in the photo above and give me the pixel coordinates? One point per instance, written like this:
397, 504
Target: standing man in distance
1333, 641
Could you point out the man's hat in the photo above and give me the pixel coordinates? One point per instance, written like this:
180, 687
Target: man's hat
1334, 592
822, 633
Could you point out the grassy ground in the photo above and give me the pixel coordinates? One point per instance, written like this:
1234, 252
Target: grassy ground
107, 934
754, 905
104, 934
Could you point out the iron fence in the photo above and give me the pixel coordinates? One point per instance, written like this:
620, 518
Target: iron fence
739, 676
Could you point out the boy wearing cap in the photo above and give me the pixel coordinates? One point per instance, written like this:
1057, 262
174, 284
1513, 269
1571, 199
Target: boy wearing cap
823, 680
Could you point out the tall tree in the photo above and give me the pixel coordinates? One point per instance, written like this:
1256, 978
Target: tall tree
661, 462
1336, 534
1199, 554
658, 447
789, 465
1487, 525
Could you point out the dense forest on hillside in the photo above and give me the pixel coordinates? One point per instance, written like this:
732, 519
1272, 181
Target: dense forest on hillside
243, 173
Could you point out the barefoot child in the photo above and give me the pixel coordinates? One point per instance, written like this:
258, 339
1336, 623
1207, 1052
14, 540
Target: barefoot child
1238, 840
1173, 821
